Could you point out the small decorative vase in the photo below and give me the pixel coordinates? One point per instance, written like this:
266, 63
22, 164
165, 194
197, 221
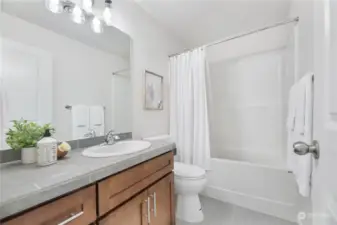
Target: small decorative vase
28, 155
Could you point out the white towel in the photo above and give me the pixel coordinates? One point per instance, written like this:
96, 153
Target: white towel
301, 100
301, 106
291, 120
80, 121
292, 108
97, 119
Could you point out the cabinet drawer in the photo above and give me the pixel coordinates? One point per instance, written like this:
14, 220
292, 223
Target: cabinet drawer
78, 208
117, 189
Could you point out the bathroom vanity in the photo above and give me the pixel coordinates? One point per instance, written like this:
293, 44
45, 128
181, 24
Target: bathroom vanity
130, 190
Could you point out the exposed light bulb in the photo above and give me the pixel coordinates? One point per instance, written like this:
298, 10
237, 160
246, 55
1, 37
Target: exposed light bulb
87, 5
54, 6
78, 15
96, 25
107, 14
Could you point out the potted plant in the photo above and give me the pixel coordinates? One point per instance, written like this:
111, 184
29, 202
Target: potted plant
24, 136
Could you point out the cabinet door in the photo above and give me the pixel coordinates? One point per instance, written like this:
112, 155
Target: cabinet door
161, 197
117, 189
133, 212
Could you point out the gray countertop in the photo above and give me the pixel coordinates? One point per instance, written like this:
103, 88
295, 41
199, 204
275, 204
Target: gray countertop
24, 186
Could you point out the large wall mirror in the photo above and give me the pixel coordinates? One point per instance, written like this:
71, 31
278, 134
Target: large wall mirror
54, 70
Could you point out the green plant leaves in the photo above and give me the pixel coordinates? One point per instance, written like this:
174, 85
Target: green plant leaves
25, 134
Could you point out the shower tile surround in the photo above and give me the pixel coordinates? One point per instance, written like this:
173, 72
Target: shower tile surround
14, 155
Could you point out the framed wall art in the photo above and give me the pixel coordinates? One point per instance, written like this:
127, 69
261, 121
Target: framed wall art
153, 91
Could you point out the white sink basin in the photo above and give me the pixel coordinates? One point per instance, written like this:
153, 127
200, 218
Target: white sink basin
118, 149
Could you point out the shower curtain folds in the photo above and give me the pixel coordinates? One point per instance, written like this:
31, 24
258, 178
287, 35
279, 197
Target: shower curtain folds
189, 125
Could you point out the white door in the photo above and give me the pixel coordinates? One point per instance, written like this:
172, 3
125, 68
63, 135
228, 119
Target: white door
25, 85
324, 186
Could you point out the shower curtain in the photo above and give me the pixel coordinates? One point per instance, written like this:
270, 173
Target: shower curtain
189, 124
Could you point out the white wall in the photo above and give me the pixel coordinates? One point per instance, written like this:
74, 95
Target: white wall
263, 41
151, 45
304, 10
81, 74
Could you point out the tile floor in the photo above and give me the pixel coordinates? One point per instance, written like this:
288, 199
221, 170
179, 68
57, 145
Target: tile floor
219, 213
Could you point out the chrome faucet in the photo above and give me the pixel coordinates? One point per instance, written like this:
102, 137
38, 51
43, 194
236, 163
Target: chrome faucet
111, 137
90, 134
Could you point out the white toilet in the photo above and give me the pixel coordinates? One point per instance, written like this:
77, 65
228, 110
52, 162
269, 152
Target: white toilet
189, 181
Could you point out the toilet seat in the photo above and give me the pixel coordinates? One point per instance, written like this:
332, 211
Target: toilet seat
186, 171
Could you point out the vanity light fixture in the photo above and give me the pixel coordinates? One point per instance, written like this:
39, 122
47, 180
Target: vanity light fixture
87, 5
107, 12
78, 15
54, 6
82, 11
96, 25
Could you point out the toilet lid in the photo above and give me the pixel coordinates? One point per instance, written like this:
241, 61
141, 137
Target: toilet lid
188, 171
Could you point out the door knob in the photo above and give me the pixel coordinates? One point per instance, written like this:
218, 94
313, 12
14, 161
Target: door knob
301, 148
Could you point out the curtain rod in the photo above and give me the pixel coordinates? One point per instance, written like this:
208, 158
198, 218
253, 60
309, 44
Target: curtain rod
296, 19
69, 107
120, 71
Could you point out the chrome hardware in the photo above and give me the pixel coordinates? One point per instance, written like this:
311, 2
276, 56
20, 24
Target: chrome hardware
154, 196
301, 148
111, 138
90, 134
73, 216
148, 210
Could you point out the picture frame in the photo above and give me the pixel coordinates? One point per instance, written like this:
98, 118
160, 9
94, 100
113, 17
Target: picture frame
154, 91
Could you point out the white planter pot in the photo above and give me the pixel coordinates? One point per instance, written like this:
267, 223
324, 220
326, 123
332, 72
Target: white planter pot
28, 155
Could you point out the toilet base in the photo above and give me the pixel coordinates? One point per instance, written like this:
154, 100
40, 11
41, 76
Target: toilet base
189, 208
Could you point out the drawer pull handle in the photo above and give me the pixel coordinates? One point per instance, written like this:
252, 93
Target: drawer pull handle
73, 216
148, 210
154, 196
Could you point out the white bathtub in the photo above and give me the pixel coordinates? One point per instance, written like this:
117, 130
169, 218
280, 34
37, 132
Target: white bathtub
264, 189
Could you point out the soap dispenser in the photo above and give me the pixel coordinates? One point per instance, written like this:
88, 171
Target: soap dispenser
46, 150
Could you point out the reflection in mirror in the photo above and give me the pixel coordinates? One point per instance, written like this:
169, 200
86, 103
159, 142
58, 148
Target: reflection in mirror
53, 60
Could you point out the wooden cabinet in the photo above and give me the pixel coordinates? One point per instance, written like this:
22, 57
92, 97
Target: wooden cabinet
161, 196
154, 206
117, 189
141, 195
133, 212
78, 208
